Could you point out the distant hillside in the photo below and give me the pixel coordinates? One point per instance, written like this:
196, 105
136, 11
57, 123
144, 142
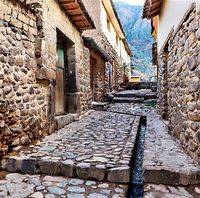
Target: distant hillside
138, 32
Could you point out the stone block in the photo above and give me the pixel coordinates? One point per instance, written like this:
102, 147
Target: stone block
11, 165
49, 167
62, 121
198, 34
44, 73
158, 175
52, 49
67, 168
23, 18
33, 31
194, 116
192, 63
28, 166
83, 170
98, 172
119, 175
198, 72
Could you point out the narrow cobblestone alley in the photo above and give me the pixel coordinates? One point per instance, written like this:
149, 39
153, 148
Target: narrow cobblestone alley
93, 157
99, 99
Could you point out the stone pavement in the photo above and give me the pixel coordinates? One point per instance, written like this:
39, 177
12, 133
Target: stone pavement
98, 147
22, 186
163, 191
165, 162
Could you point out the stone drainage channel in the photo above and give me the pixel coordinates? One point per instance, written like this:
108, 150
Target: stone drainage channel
136, 184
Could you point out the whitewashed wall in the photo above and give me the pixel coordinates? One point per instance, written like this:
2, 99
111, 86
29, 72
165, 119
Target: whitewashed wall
172, 12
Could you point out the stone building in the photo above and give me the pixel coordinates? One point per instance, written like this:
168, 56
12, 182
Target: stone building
110, 37
178, 40
49, 71
43, 67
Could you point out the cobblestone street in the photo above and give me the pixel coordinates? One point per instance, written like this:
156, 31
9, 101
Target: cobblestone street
98, 147
99, 99
18, 186
92, 158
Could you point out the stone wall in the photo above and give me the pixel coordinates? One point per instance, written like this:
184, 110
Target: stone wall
99, 77
100, 38
28, 59
23, 100
54, 20
183, 84
84, 81
163, 85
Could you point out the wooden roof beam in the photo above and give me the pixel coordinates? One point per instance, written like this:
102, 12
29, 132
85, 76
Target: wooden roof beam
73, 9
153, 12
78, 20
66, 1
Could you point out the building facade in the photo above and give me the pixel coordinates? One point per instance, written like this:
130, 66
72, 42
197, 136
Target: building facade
178, 40
48, 70
42, 55
110, 37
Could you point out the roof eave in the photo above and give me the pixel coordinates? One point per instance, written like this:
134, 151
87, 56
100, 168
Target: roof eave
151, 8
91, 44
77, 13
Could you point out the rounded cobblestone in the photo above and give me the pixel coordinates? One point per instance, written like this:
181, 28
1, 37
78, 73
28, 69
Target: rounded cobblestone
22, 186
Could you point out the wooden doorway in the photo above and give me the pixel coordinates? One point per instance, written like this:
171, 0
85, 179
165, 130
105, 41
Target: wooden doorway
61, 102
92, 75
110, 76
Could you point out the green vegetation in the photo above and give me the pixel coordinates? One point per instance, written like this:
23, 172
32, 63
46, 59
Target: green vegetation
152, 104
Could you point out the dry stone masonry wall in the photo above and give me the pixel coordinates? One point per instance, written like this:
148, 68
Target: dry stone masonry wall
100, 38
23, 101
84, 80
180, 84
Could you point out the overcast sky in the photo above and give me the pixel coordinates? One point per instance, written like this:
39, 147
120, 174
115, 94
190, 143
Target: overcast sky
133, 2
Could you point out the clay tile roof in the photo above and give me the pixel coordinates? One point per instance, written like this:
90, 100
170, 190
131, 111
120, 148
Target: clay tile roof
151, 8
90, 43
77, 13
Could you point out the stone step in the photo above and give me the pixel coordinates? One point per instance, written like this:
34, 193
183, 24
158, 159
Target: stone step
98, 147
143, 93
137, 95
150, 101
100, 106
127, 100
133, 100
165, 162
62, 121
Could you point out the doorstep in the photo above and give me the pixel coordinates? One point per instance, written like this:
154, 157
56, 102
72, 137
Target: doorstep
62, 121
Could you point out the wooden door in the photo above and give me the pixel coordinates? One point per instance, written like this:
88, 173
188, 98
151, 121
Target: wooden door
110, 75
92, 69
61, 101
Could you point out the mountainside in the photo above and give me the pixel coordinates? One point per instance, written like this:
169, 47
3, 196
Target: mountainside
138, 32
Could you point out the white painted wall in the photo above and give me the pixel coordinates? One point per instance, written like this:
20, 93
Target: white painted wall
172, 12
111, 36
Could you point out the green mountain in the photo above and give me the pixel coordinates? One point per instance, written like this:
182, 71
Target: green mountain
138, 32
